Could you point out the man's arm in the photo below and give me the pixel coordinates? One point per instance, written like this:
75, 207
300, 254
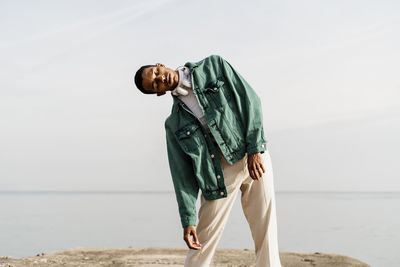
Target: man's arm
185, 184
186, 188
249, 106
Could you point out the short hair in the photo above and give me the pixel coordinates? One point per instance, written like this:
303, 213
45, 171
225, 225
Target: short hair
139, 79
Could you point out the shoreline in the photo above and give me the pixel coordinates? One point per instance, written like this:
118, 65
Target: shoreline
167, 256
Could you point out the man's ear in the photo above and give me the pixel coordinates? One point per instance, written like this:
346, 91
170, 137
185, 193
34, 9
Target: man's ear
160, 65
160, 93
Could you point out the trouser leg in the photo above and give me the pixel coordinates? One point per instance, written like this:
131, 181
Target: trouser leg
258, 203
213, 215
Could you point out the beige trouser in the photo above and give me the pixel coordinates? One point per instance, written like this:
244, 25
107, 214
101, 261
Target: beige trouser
258, 203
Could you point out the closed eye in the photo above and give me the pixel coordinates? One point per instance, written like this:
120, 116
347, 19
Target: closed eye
153, 83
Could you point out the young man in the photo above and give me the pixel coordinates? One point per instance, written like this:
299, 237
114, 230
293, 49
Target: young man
216, 144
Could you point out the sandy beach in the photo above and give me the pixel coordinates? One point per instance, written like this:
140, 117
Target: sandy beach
162, 256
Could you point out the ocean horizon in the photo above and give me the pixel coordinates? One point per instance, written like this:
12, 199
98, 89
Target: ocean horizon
362, 225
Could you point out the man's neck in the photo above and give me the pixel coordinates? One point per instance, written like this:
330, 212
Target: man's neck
184, 82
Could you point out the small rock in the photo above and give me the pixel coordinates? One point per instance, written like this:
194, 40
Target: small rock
43, 260
317, 253
86, 258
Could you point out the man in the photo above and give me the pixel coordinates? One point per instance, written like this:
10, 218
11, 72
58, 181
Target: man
216, 144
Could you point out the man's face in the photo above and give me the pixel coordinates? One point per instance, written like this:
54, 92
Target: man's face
159, 79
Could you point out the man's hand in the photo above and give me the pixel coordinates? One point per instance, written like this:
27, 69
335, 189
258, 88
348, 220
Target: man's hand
255, 166
187, 232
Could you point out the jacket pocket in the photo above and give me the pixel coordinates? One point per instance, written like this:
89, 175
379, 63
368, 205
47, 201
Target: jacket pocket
217, 91
190, 138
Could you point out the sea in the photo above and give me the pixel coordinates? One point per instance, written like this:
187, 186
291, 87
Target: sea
362, 225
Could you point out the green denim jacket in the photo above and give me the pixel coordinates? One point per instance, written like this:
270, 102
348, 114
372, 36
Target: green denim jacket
233, 113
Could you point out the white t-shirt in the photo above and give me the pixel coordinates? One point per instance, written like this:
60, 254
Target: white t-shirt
185, 92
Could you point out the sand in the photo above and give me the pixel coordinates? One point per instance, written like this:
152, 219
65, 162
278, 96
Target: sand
162, 256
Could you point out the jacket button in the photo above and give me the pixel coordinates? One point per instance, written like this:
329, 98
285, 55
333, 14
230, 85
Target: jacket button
218, 176
212, 155
205, 135
262, 145
188, 132
222, 193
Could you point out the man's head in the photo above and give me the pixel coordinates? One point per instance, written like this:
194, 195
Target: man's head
156, 79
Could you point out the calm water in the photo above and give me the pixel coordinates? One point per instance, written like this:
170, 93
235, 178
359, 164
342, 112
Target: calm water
361, 225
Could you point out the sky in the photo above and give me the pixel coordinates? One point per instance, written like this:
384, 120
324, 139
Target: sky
327, 74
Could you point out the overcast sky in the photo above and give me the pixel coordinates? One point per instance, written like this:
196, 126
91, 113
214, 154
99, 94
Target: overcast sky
327, 73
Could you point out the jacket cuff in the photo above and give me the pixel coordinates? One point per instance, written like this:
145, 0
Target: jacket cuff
186, 221
259, 147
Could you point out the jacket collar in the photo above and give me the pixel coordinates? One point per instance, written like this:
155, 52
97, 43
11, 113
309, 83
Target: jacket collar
192, 65
184, 83
177, 102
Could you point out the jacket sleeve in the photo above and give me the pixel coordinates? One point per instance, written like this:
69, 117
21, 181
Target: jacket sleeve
185, 184
250, 110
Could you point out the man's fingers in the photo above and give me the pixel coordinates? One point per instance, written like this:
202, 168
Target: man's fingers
187, 242
251, 172
196, 240
195, 243
195, 237
262, 167
259, 174
254, 174
256, 171
255, 166
260, 171
190, 244
188, 239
